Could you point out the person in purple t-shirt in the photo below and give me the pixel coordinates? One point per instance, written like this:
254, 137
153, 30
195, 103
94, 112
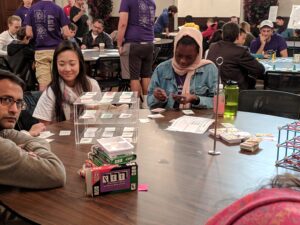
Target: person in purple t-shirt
268, 41
135, 43
23, 10
44, 22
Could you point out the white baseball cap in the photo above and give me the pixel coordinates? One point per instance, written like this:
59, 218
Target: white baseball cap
266, 23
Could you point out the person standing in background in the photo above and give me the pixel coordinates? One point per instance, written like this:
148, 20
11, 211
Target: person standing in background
23, 10
79, 17
67, 8
44, 23
162, 22
135, 43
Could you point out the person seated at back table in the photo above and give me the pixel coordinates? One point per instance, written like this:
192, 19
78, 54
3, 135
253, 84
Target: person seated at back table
73, 29
21, 59
277, 203
281, 28
25, 161
268, 41
238, 64
14, 24
97, 36
185, 80
242, 38
249, 36
69, 81
189, 22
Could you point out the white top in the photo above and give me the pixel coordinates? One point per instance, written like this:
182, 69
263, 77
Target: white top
45, 108
5, 39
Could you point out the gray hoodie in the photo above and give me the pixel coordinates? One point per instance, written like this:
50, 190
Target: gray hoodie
27, 162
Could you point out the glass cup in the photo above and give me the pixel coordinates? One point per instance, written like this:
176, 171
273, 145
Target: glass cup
101, 46
296, 58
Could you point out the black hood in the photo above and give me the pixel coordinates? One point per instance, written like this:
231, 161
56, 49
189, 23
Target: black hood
14, 47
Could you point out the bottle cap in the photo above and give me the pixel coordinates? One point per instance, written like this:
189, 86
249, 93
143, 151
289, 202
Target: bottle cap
231, 82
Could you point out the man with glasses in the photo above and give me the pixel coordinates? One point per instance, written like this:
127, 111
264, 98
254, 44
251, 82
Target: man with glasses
97, 36
25, 161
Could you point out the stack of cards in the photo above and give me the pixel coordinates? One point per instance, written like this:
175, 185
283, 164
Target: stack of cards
251, 145
230, 134
100, 157
115, 146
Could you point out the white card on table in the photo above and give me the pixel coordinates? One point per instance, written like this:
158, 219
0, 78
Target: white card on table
188, 112
111, 129
158, 110
125, 115
106, 115
64, 133
86, 140
155, 116
128, 129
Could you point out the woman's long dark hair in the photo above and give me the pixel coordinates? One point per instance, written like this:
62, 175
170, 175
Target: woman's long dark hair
81, 81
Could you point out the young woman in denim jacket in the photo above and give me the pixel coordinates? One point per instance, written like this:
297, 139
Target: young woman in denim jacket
186, 80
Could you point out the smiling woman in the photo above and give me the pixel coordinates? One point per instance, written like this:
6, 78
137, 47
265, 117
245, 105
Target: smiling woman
69, 81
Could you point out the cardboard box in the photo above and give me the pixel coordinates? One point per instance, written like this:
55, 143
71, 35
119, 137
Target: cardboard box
111, 178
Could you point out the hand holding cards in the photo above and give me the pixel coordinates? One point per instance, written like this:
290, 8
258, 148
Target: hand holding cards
179, 98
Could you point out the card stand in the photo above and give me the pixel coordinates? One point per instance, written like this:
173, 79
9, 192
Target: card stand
288, 146
103, 115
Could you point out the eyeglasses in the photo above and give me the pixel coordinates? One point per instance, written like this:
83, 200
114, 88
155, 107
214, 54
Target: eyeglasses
9, 101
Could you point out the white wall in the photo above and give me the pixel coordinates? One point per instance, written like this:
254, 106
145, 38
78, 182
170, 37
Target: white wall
209, 8
285, 7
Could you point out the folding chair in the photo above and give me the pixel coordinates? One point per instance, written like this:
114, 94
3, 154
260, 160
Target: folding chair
277, 103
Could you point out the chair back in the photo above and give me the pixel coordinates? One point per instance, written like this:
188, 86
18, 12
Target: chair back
26, 120
282, 81
271, 102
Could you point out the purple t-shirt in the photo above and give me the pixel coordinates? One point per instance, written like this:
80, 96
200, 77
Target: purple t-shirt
46, 19
141, 16
22, 12
277, 43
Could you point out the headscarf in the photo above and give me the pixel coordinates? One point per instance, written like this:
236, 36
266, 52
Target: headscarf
199, 62
280, 206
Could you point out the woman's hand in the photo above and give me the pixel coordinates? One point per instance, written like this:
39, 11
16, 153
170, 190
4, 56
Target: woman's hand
185, 98
160, 94
36, 129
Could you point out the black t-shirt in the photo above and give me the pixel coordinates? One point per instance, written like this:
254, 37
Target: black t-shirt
83, 28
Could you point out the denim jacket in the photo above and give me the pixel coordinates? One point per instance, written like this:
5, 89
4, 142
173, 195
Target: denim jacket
203, 84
